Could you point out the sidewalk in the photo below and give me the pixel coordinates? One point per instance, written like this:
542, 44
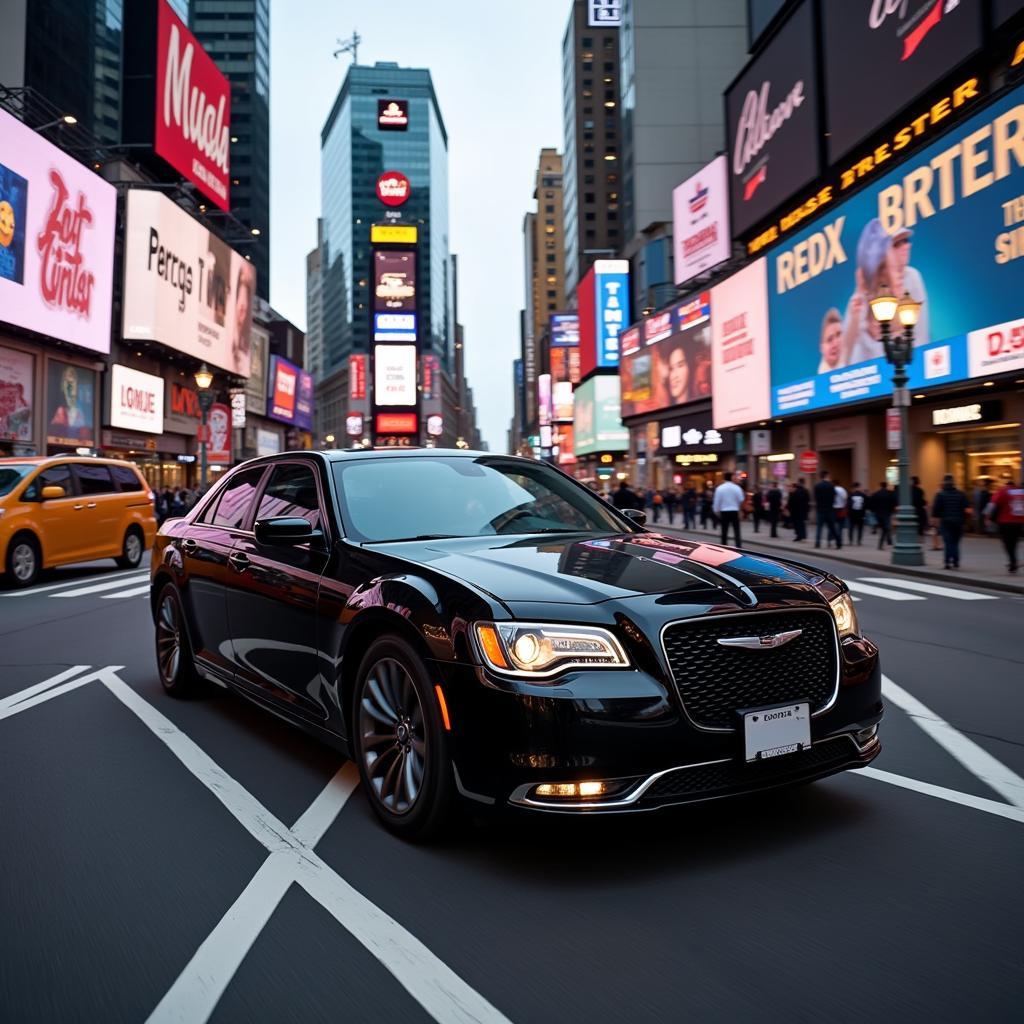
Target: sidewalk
983, 558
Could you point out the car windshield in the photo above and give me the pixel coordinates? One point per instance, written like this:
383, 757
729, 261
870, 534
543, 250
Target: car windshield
10, 475
420, 497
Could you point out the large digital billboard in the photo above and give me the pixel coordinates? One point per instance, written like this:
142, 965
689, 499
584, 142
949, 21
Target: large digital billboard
56, 241
394, 281
739, 348
947, 227
185, 287
193, 109
772, 123
394, 375
290, 395
908, 46
597, 419
564, 330
700, 220
136, 400
674, 368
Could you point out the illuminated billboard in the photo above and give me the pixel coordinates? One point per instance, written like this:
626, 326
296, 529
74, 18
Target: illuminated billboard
394, 281
394, 374
597, 421
290, 396
564, 330
700, 220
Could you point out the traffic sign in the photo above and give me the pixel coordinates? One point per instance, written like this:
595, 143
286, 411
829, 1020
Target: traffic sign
808, 462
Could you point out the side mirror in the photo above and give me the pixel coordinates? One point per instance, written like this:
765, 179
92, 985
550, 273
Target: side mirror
52, 491
285, 530
636, 515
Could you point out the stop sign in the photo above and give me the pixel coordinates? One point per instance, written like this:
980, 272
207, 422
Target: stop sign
808, 462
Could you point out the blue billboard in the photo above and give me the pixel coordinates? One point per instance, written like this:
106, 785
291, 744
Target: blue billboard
947, 227
611, 308
565, 330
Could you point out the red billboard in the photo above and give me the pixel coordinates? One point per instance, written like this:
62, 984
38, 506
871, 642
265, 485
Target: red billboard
393, 188
193, 109
588, 324
357, 377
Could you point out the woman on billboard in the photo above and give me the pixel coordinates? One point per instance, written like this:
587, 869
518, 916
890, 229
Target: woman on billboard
241, 322
831, 342
676, 375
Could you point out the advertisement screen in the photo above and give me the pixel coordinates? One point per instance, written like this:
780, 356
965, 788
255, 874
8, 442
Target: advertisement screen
945, 227
16, 391
394, 281
565, 364
772, 123
700, 220
394, 374
392, 115
611, 308
908, 47
357, 377
70, 405
56, 241
739, 348
394, 326
544, 399
565, 330
290, 397
193, 109
597, 423
562, 400
218, 447
256, 385
184, 286
675, 370
562, 441
304, 403
136, 400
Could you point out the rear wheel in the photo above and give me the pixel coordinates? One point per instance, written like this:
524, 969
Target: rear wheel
173, 651
24, 560
132, 549
400, 743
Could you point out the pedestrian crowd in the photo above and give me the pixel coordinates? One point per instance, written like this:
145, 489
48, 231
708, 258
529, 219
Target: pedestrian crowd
173, 503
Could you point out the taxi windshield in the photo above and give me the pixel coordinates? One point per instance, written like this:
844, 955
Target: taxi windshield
10, 475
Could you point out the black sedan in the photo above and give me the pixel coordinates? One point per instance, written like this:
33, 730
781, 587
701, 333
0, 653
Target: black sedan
475, 627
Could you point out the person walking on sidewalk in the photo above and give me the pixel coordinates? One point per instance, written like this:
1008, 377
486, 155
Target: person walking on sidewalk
824, 507
950, 510
839, 507
799, 507
727, 505
882, 504
757, 509
689, 507
858, 506
774, 508
1008, 515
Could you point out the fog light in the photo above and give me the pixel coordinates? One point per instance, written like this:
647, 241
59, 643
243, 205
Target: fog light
571, 789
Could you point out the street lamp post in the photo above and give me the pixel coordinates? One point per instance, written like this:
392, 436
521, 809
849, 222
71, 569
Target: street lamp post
204, 380
899, 351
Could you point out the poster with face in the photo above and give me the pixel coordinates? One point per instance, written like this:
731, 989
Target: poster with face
70, 405
15, 395
13, 203
219, 420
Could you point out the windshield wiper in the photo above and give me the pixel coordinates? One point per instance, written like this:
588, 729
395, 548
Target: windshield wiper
419, 536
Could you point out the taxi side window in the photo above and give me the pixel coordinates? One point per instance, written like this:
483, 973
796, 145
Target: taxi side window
52, 476
127, 478
94, 479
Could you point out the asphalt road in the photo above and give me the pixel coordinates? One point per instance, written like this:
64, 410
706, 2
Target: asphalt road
200, 860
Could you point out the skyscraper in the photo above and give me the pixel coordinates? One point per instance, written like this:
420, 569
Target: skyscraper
315, 306
590, 107
236, 34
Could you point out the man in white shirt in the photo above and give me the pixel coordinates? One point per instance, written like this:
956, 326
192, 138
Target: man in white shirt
727, 505
839, 505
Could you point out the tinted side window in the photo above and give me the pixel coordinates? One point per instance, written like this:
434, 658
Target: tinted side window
94, 479
237, 498
54, 476
127, 478
291, 491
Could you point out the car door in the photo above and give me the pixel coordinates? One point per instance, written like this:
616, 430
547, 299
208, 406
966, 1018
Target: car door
100, 518
273, 595
58, 518
206, 547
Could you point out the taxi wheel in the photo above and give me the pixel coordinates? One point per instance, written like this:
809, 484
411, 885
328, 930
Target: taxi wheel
132, 549
24, 560
173, 650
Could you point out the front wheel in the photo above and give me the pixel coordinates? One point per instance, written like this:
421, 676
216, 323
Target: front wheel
131, 550
400, 742
173, 650
24, 560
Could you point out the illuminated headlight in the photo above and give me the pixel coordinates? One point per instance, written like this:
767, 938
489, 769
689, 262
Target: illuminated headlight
845, 616
530, 649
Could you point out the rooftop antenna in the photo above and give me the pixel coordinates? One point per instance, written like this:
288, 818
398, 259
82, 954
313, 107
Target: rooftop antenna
350, 46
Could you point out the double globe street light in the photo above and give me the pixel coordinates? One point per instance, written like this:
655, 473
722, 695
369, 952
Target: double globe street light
899, 351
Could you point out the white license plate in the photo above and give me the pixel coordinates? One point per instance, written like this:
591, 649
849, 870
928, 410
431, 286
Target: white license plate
772, 732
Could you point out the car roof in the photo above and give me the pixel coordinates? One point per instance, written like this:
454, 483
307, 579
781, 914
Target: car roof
42, 460
346, 455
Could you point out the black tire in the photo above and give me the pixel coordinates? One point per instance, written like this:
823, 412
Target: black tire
174, 661
393, 684
133, 547
24, 560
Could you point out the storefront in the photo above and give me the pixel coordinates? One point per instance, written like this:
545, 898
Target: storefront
695, 453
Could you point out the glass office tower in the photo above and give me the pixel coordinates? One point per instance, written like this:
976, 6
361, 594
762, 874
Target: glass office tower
357, 145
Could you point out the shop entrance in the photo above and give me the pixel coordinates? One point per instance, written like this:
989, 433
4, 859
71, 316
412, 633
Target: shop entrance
987, 456
839, 463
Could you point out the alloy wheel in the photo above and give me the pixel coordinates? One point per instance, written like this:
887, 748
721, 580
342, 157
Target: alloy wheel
168, 638
393, 736
23, 561
133, 548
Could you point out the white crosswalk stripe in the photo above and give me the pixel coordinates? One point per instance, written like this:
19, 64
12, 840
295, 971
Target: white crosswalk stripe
929, 588
135, 592
30, 591
889, 595
95, 588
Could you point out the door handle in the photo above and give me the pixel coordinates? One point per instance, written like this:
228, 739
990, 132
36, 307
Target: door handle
78, 508
239, 561
92, 504
189, 545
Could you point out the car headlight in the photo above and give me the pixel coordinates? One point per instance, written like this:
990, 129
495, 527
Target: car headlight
845, 616
532, 650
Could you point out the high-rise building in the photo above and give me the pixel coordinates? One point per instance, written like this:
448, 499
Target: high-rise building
315, 306
236, 34
675, 60
528, 317
590, 108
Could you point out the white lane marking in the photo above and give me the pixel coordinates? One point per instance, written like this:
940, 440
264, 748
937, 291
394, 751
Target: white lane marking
889, 595
431, 982
110, 671
319, 816
97, 587
979, 803
929, 588
31, 691
67, 583
854, 597
136, 592
979, 762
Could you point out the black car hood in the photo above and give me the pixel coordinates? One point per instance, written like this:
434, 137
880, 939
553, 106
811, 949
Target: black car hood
587, 570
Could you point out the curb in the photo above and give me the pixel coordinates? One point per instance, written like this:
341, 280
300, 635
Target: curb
905, 570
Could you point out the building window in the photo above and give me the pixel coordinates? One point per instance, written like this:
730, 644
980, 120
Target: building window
588, 110
588, 163
549, 195
587, 66
588, 43
609, 65
549, 208
550, 257
612, 215
613, 179
588, 216
551, 279
588, 197
588, 179
552, 294
588, 94
589, 234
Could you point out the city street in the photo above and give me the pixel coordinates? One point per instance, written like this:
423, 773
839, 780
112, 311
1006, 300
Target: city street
188, 861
